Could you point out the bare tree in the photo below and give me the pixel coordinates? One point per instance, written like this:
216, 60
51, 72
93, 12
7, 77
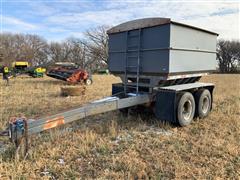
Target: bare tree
36, 49
9, 47
228, 55
55, 51
97, 44
77, 51
31, 48
90, 53
80, 53
59, 52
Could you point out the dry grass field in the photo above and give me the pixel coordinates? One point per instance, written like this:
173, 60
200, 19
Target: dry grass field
111, 146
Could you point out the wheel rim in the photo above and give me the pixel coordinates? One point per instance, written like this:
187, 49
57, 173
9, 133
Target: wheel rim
205, 105
187, 110
88, 82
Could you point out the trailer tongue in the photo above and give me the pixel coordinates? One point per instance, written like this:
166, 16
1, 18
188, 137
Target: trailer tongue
97, 107
20, 128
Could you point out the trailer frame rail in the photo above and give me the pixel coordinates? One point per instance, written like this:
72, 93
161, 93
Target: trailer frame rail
21, 127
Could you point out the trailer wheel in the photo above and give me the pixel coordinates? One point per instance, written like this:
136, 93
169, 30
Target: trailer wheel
185, 109
203, 102
88, 82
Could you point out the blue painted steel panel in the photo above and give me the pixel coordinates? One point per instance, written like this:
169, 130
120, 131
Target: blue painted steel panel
156, 37
154, 52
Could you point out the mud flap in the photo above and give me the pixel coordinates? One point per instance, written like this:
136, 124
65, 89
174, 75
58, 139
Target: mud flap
165, 105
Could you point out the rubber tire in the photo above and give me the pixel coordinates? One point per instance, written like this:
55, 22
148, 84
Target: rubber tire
184, 98
88, 82
199, 97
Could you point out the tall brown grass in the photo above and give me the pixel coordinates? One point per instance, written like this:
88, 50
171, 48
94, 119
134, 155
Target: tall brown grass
110, 145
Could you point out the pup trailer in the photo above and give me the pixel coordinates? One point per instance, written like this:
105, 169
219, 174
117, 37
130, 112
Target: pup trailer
159, 62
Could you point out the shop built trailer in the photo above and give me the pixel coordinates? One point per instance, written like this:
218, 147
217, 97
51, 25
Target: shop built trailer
160, 63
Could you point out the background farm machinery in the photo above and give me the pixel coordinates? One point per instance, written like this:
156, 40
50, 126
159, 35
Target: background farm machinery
69, 72
65, 71
23, 67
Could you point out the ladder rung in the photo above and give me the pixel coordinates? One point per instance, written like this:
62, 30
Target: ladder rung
132, 75
132, 87
131, 84
139, 84
132, 56
131, 66
133, 46
132, 50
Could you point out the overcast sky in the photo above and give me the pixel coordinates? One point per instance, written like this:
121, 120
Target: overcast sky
57, 20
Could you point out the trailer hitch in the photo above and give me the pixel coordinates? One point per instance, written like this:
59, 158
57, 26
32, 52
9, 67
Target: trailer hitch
17, 129
17, 132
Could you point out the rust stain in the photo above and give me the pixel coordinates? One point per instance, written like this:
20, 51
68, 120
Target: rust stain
51, 123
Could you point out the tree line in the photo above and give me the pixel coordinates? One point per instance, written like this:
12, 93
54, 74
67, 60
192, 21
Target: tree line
228, 56
91, 52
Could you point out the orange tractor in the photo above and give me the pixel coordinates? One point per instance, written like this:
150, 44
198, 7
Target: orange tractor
69, 72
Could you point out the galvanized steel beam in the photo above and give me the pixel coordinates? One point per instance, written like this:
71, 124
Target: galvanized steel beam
96, 107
